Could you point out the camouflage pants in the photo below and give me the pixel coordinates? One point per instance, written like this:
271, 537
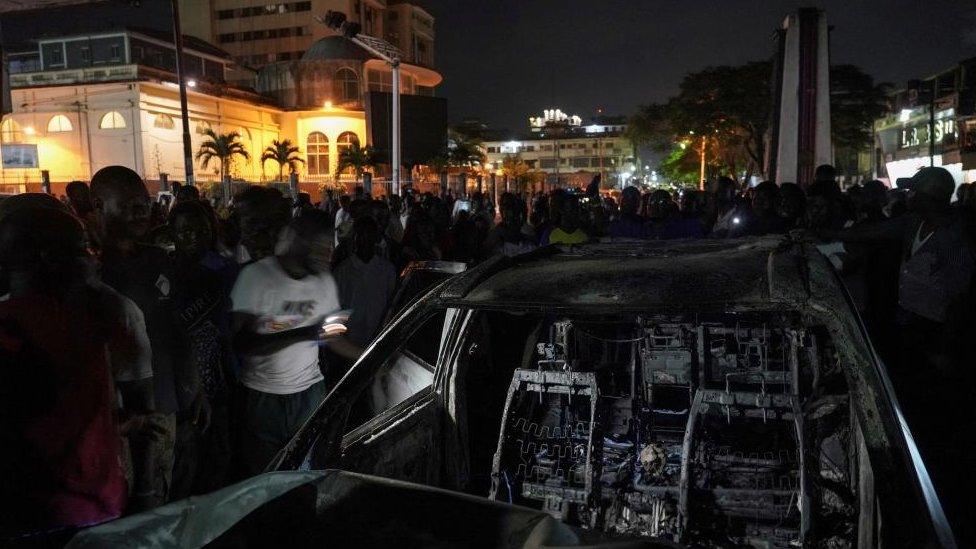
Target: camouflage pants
163, 457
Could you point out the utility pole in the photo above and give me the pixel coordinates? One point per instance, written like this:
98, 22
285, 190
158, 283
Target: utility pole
555, 148
599, 147
935, 91
395, 129
178, 42
701, 176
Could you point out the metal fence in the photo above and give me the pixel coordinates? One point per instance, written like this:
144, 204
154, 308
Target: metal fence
30, 181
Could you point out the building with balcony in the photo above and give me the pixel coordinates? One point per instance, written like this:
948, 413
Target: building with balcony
908, 137
568, 151
324, 95
411, 29
256, 34
82, 102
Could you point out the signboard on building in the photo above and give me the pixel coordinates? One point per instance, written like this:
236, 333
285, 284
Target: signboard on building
918, 134
18, 155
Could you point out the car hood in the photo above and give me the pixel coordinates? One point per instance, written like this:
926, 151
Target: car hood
340, 509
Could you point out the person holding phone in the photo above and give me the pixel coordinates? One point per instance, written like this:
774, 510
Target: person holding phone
279, 305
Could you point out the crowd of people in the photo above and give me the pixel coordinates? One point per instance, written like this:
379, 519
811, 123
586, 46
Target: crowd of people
153, 350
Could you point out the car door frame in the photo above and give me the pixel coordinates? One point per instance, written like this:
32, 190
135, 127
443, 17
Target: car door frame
323, 439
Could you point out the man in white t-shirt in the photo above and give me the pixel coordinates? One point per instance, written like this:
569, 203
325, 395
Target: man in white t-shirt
279, 304
342, 215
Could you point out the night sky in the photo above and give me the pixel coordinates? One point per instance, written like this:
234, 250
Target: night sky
504, 60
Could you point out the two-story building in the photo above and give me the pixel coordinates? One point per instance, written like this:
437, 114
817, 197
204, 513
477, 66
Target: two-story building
86, 101
909, 137
568, 151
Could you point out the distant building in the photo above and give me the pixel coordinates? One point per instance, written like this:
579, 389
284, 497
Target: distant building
902, 136
256, 34
411, 29
568, 151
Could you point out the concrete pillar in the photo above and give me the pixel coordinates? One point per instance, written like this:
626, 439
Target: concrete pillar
495, 195
293, 185
368, 184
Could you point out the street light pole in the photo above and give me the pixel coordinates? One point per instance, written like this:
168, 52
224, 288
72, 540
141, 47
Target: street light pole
391, 55
395, 139
178, 42
701, 176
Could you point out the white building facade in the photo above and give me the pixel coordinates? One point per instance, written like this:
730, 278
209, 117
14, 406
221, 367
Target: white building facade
82, 103
569, 152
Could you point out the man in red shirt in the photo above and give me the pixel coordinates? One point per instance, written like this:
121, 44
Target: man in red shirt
60, 462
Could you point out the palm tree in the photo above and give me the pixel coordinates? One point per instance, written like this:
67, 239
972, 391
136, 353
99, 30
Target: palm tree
356, 157
515, 169
520, 174
285, 153
223, 147
464, 152
439, 162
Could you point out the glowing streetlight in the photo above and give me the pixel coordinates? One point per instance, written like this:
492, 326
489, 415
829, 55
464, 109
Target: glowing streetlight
29, 130
336, 20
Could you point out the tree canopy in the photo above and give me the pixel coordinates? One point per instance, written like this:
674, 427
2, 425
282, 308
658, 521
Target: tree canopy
222, 147
356, 157
284, 153
731, 107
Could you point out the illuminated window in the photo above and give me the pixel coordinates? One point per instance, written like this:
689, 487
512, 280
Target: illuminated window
10, 131
380, 81
163, 121
202, 127
59, 123
345, 86
345, 141
317, 153
112, 120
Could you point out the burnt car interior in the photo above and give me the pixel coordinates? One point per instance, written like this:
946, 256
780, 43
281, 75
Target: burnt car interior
722, 430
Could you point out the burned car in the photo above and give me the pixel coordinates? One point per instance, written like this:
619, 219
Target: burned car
694, 393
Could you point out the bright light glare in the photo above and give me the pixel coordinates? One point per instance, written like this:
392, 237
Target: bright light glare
191, 83
29, 130
905, 115
736, 221
328, 104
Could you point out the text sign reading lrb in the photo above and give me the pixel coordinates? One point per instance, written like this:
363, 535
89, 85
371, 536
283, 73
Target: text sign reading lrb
918, 134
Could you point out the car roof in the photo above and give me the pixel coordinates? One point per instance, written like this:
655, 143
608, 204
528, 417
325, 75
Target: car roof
681, 275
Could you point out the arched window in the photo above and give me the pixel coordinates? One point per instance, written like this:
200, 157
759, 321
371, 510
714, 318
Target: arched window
346, 140
59, 123
317, 153
163, 121
112, 120
245, 135
345, 86
11, 132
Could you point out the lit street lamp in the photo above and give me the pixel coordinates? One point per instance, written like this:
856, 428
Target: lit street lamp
336, 21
